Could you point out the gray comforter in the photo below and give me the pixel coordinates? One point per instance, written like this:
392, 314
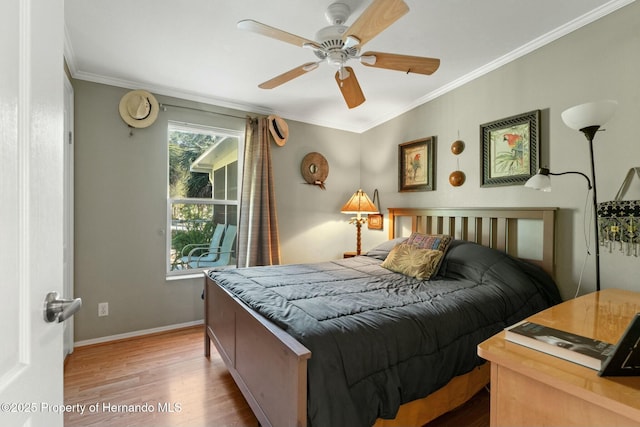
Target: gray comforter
380, 339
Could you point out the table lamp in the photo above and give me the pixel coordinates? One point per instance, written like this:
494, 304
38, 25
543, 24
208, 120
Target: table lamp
359, 204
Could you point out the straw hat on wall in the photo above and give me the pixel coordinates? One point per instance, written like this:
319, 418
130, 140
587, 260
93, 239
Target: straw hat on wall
279, 129
139, 108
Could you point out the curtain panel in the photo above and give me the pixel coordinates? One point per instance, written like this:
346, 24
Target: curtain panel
258, 238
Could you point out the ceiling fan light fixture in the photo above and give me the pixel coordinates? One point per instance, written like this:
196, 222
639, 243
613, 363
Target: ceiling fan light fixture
337, 58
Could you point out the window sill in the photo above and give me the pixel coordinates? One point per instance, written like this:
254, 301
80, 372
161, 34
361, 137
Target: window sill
197, 275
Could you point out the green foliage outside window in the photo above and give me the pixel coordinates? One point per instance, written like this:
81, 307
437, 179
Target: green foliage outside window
184, 148
192, 223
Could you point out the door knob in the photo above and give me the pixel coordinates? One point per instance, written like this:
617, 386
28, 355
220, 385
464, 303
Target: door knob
56, 309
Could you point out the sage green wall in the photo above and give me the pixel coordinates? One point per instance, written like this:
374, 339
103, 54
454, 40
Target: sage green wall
121, 178
310, 223
120, 212
598, 61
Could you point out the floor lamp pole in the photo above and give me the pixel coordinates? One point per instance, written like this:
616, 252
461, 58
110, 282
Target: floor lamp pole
590, 133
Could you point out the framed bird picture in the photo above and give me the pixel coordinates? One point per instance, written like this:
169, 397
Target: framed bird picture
416, 165
510, 149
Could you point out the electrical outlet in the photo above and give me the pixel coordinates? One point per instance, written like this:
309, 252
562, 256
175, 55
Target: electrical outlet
103, 309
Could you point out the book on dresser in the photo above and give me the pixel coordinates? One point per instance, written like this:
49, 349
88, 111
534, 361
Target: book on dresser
574, 348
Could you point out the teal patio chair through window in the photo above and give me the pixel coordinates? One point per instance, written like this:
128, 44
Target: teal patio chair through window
219, 256
192, 251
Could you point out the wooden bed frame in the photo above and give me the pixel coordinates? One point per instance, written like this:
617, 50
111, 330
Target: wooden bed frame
270, 367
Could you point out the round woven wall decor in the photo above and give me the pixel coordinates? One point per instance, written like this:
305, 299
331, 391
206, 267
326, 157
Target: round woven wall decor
314, 169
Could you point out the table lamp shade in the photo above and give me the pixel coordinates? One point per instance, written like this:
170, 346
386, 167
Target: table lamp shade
359, 203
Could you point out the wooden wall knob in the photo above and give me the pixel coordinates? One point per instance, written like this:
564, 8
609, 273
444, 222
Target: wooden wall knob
457, 147
457, 178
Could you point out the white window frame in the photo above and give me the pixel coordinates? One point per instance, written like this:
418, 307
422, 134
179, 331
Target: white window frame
204, 129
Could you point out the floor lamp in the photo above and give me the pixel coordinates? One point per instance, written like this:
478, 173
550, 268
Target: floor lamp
588, 119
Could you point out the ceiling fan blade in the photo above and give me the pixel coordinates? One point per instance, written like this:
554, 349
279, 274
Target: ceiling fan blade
406, 63
274, 33
289, 75
375, 19
350, 88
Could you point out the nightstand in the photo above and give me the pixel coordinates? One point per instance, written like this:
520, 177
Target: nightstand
351, 254
531, 388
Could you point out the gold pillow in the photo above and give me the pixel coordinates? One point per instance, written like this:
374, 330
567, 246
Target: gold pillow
413, 261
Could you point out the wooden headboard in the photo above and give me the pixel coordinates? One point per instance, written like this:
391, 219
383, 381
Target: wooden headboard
498, 228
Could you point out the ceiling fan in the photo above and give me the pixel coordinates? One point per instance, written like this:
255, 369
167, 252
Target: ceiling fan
337, 44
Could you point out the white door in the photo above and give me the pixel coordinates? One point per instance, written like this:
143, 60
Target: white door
31, 216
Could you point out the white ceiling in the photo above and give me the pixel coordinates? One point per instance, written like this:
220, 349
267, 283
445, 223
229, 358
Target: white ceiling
192, 49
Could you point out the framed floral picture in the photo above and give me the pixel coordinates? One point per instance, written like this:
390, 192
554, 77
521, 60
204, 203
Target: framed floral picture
416, 164
510, 149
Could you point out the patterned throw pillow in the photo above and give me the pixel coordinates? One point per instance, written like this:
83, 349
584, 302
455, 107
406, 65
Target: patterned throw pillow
413, 261
430, 241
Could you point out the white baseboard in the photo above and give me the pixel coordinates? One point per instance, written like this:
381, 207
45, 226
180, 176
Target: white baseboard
137, 333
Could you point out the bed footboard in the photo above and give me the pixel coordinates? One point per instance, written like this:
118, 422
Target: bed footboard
268, 365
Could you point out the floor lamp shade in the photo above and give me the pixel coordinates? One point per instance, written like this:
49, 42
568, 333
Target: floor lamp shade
542, 181
589, 114
539, 181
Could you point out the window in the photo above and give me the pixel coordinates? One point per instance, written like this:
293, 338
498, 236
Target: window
203, 197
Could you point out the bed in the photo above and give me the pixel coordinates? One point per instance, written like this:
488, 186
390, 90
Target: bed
303, 342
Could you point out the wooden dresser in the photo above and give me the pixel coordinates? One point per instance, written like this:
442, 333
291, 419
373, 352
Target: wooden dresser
531, 388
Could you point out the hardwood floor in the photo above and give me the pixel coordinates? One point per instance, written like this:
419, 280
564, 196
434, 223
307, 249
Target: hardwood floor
159, 373
165, 380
